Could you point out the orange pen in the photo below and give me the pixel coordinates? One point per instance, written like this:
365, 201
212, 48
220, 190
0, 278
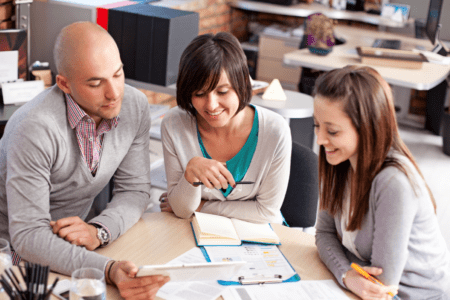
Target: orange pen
366, 275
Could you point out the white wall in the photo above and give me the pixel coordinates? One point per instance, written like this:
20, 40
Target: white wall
419, 9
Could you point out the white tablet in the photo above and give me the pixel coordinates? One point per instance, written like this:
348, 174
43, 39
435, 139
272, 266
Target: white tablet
194, 272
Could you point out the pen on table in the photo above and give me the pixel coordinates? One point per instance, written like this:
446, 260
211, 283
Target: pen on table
366, 275
197, 183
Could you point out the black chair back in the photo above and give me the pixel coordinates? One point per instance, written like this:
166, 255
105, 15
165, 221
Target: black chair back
302, 196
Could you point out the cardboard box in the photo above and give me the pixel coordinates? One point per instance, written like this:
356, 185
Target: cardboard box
276, 47
271, 68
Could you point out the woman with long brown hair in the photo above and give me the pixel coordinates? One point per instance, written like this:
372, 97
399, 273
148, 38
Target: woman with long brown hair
375, 206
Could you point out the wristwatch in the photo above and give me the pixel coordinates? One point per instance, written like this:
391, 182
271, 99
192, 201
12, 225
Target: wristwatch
102, 235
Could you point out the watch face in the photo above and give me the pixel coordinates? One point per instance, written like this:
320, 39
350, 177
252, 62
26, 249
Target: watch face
102, 235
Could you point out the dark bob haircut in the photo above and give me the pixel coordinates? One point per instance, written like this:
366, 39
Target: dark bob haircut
201, 66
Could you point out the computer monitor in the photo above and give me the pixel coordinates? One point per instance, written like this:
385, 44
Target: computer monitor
433, 27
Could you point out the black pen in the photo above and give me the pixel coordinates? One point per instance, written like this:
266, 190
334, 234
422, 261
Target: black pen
47, 296
197, 183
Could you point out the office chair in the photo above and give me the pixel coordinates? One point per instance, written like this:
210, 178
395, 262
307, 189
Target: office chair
302, 196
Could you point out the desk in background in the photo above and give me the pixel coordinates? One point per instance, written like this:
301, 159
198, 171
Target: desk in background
303, 10
430, 77
272, 47
152, 240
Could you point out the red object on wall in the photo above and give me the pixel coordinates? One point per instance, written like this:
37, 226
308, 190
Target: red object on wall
102, 17
102, 12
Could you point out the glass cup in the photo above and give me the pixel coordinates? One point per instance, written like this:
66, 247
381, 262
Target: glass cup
5, 258
88, 284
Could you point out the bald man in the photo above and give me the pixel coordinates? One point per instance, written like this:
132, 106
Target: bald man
58, 152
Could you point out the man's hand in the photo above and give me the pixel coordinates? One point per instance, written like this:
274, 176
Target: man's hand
123, 273
77, 232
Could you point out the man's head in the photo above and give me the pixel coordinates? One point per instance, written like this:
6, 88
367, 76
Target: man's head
90, 69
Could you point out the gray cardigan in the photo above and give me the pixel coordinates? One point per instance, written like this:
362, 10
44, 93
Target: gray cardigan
399, 234
43, 177
269, 169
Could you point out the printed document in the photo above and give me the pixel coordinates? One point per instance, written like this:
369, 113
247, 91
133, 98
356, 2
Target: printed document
303, 289
193, 290
262, 260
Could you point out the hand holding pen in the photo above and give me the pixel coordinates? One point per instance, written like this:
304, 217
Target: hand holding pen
361, 281
212, 173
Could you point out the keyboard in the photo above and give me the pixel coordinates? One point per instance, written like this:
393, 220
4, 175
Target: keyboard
387, 44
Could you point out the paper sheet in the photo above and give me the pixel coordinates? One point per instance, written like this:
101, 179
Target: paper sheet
196, 290
303, 289
20, 92
9, 65
262, 260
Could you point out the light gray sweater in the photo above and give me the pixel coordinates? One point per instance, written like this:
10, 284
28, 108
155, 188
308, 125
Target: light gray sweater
43, 177
399, 234
269, 169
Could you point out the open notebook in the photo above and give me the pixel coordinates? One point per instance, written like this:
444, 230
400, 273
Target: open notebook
212, 230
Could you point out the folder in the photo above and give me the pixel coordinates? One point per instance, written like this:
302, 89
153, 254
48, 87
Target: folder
233, 253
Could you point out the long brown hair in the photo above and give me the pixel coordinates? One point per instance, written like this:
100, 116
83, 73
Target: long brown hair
368, 102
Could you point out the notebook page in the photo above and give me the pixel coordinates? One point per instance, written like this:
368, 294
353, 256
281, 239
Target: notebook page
217, 225
255, 232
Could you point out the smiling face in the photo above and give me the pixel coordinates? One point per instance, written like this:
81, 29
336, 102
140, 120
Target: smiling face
219, 106
335, 131
96, 81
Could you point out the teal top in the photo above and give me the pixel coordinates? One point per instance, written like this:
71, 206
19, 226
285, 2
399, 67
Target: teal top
239, 164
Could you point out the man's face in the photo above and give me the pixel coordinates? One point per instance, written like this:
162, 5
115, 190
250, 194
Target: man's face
96, 80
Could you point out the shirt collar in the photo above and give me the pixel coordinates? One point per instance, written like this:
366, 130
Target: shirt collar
75, 114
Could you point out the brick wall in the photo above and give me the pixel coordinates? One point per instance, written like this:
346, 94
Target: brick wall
6, 12
214, 15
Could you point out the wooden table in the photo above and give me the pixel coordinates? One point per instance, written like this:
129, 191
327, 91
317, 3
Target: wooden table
160, 237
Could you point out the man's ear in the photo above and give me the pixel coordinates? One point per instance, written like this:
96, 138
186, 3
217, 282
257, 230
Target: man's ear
63, 83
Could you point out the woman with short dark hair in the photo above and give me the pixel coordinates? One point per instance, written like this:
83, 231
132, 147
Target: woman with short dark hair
217, 138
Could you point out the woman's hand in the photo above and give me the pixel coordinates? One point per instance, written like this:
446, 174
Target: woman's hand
164, 203
366, 289
212, 173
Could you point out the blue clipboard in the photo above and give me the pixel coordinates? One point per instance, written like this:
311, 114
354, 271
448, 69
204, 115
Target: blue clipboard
243, 281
